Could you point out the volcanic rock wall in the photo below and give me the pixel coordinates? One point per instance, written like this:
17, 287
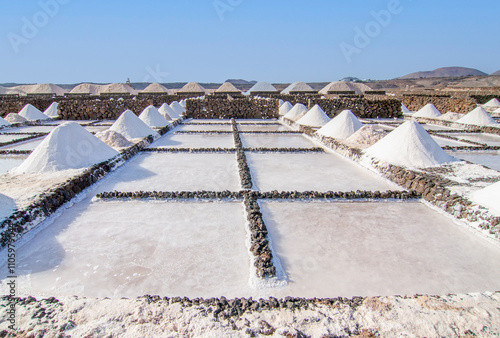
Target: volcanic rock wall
361, 107
444, 104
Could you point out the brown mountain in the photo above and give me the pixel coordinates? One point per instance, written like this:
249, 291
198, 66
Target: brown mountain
445, 72
496, 73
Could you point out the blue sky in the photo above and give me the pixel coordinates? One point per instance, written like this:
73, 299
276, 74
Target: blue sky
276, 41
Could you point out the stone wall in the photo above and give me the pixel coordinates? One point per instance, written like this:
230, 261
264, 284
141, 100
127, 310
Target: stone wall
444, 104
361, 107
244, 108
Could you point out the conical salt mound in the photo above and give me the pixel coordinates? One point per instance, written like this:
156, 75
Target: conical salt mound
492, 103
15, 118
410, 145
342, 126
183, 103
297, 87
451, 116
68, 146
428, 111
52, 110
497, 111
263, 87
156, 88
152, 117
489, 197
193, 88
167, 112
113, 139
478, 117
316, 117
405, 109
296, 112
227, 87
31, 113
130, 126
3, 123
280, 102
177, 108
285, 108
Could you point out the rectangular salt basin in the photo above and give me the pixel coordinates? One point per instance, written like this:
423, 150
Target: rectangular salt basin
312, 171
171, 140
26, 145
443, 142
435, 127
34, 129
132, 248
204, 127
176, 172
208, 121
489, 139
8, 162
11, 137
275, 141
253, 121
260, 127
372, 249
96, 129
491, 159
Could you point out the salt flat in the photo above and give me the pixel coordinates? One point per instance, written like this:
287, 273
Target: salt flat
275, 141
170, 140
25, 145
490, 159
204, 127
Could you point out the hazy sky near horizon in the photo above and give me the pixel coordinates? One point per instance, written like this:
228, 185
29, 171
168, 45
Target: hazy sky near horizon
72, 41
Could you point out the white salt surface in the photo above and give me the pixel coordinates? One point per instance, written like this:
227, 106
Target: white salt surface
312, 171
113, 139
366, 136
152, 117
138, 248
270, 127
443, 142
12, 137
369, 249
204, 127
30, 113
275, 141
405, 110
176, 172
33, 129
409, 145
69, 146
491, 159
296, 112
3, 122
341, 126
51, 111
315, 117
25, 145
132, 127
451, 116
285, 108
429, 110
492, 103
207, 121
170, 140
489, 139
96, 129
489, 197
7, 162
254, 121
14, 118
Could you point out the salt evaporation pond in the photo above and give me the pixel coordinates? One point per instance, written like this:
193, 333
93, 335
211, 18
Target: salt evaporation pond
176, 172
270, 127
34, 129
25, 145
312, 171
171, 140
12, 137
8, 162
489, 139
275, 141
491, 159
204, 127
443, 142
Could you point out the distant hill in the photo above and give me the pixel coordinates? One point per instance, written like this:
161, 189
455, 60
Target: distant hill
445, 72
241, 82
496, 73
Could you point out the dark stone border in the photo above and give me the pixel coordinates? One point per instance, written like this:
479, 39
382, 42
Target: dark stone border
471, 127
243, 169
285, 150
15, 152
189, 150
202, 132
27, 138
271, 132
171, 195
471, 148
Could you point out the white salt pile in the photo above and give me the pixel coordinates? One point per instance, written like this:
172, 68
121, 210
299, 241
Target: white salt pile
68, 146
156, 88
15, 118
228, 87
52, 110
285, 108
298, 87
497, 111
342, 126
489, 197
113, 139
132, 127
405, 110
296, 112
316, 117
167, 112
41, 88
428, 111
31, 113
193, 87
88, 88
176, 107
343, 86
492, 103
3, 123
367, 135
280, 102
478, 117
152, 117
183, 103
118, 88
451, 116
263, 87
410, 145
